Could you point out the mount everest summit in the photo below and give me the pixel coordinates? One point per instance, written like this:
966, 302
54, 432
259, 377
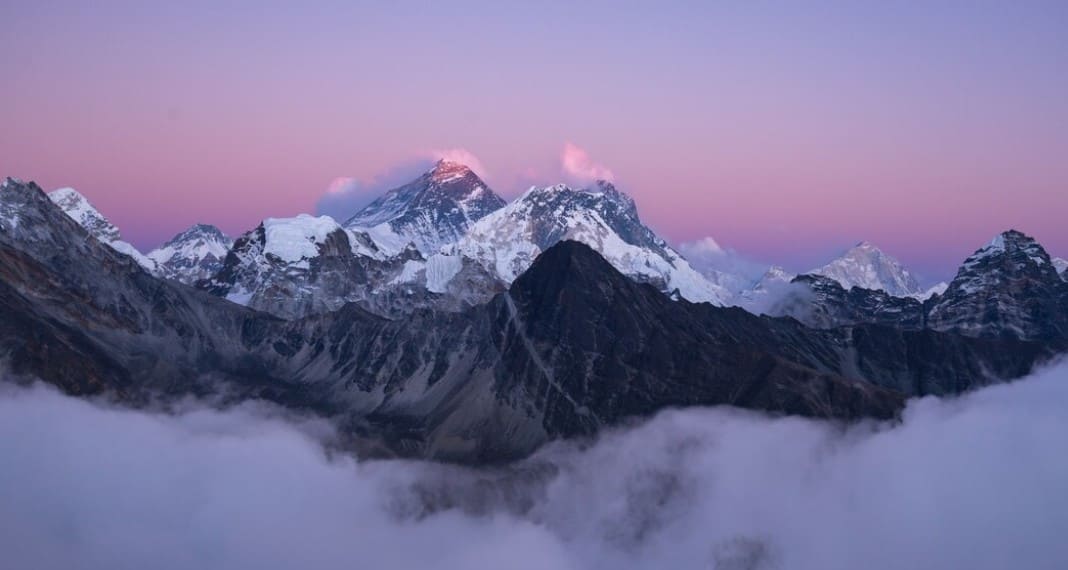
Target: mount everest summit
436, 209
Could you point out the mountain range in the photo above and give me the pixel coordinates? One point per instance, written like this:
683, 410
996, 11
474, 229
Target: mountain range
446, 240
441, 321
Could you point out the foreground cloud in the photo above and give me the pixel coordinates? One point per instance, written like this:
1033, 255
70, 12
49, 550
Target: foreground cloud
976, 482
577, 165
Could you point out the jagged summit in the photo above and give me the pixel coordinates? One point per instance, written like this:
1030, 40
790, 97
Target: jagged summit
1008, 287
1010, 245
866, 266
200, 230
30, 216
80, 210
77, 206
445, 171
194, 254
431, 211
507, 241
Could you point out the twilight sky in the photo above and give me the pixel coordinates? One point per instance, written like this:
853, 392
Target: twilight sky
786, 132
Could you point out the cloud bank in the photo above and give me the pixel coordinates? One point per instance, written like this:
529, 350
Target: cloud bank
977, 482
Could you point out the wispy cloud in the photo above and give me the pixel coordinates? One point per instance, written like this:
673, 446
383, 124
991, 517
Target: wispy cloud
707, 256
577, 164
462, 156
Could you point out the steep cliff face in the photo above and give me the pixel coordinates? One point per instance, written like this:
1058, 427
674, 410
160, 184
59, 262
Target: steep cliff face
1009, 288
571, 347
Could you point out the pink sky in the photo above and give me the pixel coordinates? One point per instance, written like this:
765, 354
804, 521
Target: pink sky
785, 135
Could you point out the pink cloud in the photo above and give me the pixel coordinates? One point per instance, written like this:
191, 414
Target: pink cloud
576, 163
342, 184
462, 156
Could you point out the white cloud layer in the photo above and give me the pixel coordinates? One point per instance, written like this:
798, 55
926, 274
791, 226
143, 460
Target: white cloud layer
977, 482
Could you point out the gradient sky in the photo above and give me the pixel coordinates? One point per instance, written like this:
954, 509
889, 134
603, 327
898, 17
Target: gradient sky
786, 131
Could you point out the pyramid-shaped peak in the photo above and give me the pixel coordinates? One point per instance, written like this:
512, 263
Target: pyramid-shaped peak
446, 170
200, 231
868, 267
1011, 238
573, 266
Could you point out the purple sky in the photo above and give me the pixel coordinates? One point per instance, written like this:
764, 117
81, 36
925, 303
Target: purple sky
785, 133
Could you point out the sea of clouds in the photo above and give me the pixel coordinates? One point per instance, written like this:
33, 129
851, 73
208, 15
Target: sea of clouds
979, 481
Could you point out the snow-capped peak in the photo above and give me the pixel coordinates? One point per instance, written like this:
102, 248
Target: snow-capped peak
445, 171
985, 299
78, 208
507, 241
1009, 242
194, 254
866, 266
433, 210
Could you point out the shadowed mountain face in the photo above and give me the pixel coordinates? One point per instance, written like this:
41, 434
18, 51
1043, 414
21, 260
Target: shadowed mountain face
572, 346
